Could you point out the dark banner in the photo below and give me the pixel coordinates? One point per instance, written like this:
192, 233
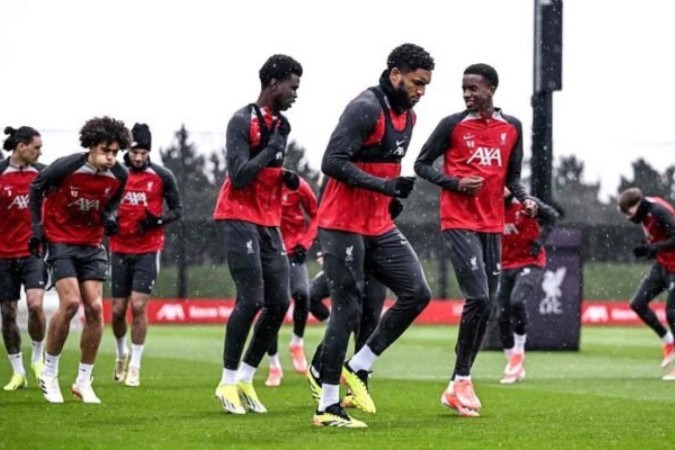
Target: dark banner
554, 312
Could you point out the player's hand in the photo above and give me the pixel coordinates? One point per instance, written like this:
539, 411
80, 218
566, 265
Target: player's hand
291, 180
395, 207
150, 221
110, 226
298, 255
284, 127
530, 207
277, 141
470, 185
644, 251
400, 187
36, 241
535, 247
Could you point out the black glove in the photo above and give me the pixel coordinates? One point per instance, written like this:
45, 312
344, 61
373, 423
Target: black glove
277, 141
535, 247
644, 251
36, 241
395, 208
291, 180
150, 221
400, 187
298, 256
110, 226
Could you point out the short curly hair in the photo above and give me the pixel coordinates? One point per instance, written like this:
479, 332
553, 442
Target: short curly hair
485, 70
104, 130
278, 67
410, 57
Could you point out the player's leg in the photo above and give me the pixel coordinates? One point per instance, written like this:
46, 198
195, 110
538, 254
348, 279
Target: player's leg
120, 281
64, 276
318, 291
145, 271
10, 291
392, 261
373, 302
670, 317
243, 258
275, 272
507, 280
34, 280
300, 295
467, 257
652, 285
92, 271
344, 255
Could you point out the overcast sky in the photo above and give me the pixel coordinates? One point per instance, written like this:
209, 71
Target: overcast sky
196, 62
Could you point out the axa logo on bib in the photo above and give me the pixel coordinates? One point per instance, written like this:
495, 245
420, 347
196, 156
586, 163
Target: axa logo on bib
486, 156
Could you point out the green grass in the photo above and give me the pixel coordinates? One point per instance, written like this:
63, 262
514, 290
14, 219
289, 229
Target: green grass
608, 395
601, 280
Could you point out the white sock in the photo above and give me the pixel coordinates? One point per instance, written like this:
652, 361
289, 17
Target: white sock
84, 372
363, 360
274, 360
330, 395
246, 372
122, 350
17, 363
462, 377
508, 352
229, 376
519, 341
38, 351
136, 354
296, 341
668, 338
51, 365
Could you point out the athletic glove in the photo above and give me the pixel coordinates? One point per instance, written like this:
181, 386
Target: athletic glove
395, 208
150, 221
298, 256
291, 180
535, 247
110, 226
644, 251
277, 141
400, 187
36, 241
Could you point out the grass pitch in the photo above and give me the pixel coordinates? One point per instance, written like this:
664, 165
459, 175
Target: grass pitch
608, 395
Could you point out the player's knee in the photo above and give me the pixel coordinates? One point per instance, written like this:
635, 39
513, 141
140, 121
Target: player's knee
422, 296
8, 311
93, 312
34, 308
70, 306
638, 306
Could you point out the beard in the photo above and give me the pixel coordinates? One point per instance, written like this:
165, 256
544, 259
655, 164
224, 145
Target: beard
401, 97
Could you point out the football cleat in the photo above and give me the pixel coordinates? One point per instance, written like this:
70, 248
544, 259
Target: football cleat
357, 382
274, 377
120, 372
298, 358
50, 389
249, 398
670, 376
82, 389
668, 355
228, 395
348, 401
314, 385
466, 396
450, 400
335, 416
16, 382
38, 367
133, 378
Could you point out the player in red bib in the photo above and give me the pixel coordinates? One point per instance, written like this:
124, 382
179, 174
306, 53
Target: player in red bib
298, 229
357, 232
482, 151
248, 217
17, 266
135, 249
523, 264
73, 203
657, 218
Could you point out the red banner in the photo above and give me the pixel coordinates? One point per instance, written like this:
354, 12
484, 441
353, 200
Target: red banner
446, 312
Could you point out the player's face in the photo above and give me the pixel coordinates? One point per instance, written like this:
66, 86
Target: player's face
138, 157
477, 92
104, 155
413, 83
630, 212
29, 153
286, 91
